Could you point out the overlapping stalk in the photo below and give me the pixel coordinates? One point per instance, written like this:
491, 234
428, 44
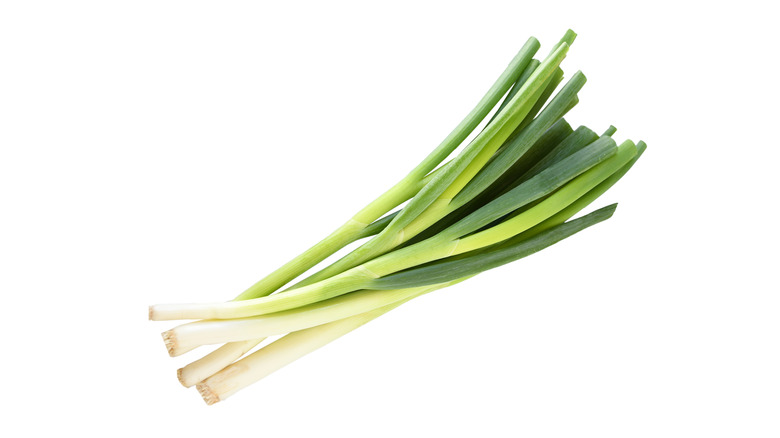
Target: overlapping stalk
405, 189
509, 193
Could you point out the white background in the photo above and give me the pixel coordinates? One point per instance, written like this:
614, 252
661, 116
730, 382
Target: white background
178, 151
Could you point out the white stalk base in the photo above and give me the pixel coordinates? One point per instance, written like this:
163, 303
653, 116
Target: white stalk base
277, 354
213, 362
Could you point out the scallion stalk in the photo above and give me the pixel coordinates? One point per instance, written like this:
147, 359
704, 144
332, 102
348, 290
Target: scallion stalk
510, 192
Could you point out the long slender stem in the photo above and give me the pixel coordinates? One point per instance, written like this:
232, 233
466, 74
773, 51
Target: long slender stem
187, 337
402, 191
278, 354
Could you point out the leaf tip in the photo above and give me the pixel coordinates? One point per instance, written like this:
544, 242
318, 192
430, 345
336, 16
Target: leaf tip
569, 37
605, 213
610, 131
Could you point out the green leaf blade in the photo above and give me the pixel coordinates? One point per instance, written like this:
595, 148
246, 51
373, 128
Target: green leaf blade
447, 270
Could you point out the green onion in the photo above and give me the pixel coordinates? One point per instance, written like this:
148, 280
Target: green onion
512, 191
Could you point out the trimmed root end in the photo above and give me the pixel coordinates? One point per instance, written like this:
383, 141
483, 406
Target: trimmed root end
151, 313
169, 338
209, 396
179, 375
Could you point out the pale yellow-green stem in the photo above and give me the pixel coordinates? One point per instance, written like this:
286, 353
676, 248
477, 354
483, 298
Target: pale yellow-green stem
278, 354
341, 237
187, 337
292, 347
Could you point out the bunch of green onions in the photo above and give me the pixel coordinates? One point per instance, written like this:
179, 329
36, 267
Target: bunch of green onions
510, 192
